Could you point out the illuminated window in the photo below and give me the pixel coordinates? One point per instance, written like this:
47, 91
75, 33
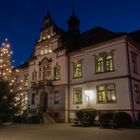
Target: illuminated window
111, 94
46, 71
77, 96
44, 36
42, 51
48, 36
134, 63
106, 93
101, 94
34, 76
77, 70
100, 64
26, 80
56, 97
46, 50
137, 94
109, 63
104, 64
57, 72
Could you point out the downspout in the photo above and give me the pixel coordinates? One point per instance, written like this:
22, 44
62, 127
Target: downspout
68, 88
131, 90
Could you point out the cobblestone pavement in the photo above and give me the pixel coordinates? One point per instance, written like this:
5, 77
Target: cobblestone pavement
65, 132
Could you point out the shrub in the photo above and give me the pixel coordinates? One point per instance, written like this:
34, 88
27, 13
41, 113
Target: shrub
32, 118
122, 119
86, 116
105, 119
17, 119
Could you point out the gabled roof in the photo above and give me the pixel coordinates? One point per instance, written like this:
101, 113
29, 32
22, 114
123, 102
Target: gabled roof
135, 36
97, 35
23, 66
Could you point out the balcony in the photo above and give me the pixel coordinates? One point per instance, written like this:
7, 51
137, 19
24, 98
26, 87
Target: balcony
41, 84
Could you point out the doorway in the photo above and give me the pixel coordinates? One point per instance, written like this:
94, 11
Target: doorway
44, 102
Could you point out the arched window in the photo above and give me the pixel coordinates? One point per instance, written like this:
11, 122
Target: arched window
109, 63
42, 51
100, 64
57, 72
77, 73
26, 80
45, 69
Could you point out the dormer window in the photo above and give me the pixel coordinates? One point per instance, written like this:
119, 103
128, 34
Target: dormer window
45, 50
48, 36
44, 36
42, 51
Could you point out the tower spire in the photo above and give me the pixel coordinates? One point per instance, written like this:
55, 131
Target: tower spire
73, 22
73, 8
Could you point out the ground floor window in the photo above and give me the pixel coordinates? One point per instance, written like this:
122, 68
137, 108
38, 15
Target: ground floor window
77, 96
33, 99
106, 93
137, 94
56, 97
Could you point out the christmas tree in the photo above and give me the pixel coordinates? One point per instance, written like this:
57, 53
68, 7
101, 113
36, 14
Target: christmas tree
9, 103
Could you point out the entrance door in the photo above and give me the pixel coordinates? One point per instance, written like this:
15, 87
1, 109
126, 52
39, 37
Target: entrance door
43, 102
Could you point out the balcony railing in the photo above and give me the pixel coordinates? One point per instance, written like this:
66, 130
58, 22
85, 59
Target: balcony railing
41, 84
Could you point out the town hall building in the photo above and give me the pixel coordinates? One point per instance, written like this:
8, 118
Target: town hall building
70, 70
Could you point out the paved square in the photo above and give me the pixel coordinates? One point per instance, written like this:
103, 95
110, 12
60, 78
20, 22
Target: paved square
65, 132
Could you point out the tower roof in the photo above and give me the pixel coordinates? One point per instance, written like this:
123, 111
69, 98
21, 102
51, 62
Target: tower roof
48, 21
73, 22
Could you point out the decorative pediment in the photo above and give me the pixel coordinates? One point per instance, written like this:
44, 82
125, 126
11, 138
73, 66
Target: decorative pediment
45, 61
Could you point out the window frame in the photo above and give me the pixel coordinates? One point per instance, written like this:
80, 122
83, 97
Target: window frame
75, 69
106, 93
103, 63
33, 99
56, 97
57, 69
137, 93
134, 57
74, 92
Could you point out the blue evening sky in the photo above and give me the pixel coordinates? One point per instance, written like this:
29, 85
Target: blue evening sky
21, 20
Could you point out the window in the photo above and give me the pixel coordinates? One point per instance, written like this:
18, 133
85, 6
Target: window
77, 96
33, 99
42, 51
45, 50
106, 93
56, 97
45, 69
111, 95
57, 72
77, 70
34, 76
134, 62
109, 63
40, 73
26, 80
100, 64
104, 64
137, 94
101, 94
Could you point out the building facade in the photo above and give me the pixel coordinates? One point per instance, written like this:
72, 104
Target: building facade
69, 70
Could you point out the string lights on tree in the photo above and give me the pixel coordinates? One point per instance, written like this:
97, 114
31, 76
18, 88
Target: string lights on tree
11, 98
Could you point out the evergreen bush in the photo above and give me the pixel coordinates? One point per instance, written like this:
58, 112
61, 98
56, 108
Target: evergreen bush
86, 116
122, 119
